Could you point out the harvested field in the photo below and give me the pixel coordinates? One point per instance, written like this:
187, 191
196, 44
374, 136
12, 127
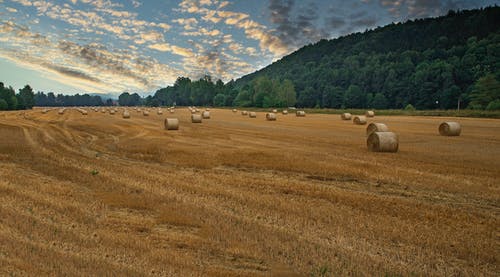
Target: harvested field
102, 195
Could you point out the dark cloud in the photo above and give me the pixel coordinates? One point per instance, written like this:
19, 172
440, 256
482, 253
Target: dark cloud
295, 30
335, 22
425, 8
71, 72
365, 22
91, 56
362, 19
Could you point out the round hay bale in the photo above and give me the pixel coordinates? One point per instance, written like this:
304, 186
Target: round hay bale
112, 112
196, 118
235, 110
171, 124
252, 114
376, 127
207, 109
172, 111
300, 113
145, 113
271, 116
346, 116
450, 129
103, 111
274, 111
205, 115
285, 112
359, 120
84, 112
126, 114
244, 113
369, 113
159, 112
61, 111
44, 111
383, 142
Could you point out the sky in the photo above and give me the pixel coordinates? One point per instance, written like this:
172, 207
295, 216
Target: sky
111, 46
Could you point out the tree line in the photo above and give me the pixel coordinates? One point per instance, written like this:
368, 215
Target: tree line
262, 92
27, 99
60, 100
10, 100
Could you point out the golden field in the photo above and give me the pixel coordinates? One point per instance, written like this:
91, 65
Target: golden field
101, 195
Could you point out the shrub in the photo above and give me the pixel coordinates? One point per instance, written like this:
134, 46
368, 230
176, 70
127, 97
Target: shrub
409, 107
3, 105
493, 105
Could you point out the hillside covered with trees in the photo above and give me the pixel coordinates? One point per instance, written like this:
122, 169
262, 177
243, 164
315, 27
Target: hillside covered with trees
429, 63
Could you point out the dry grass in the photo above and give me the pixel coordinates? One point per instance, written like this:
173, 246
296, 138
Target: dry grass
99, 195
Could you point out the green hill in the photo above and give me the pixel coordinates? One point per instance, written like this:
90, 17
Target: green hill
429, 63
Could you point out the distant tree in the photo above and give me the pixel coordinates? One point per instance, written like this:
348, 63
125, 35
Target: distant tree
333, 97
51, 99
124, 99
493, 105
243, 99
354, 97
3, 105
379, 101
307, 98
13, 103
289, 92
409, 107
485, 91
20, 103
27, 97
219, 100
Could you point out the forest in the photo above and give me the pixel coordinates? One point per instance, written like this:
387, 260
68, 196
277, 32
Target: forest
435, 63
430, 63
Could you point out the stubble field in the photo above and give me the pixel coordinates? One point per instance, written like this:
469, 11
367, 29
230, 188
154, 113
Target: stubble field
234, 196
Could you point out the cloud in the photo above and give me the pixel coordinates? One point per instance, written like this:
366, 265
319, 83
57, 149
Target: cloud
223, 4
164, 26
422, 8
182, 51
23, 2
90, 67
136, 4
295, 31
362, 19
70, 72
163, 47
187, 23
252, 29
12, 10
335, 22
151, 36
